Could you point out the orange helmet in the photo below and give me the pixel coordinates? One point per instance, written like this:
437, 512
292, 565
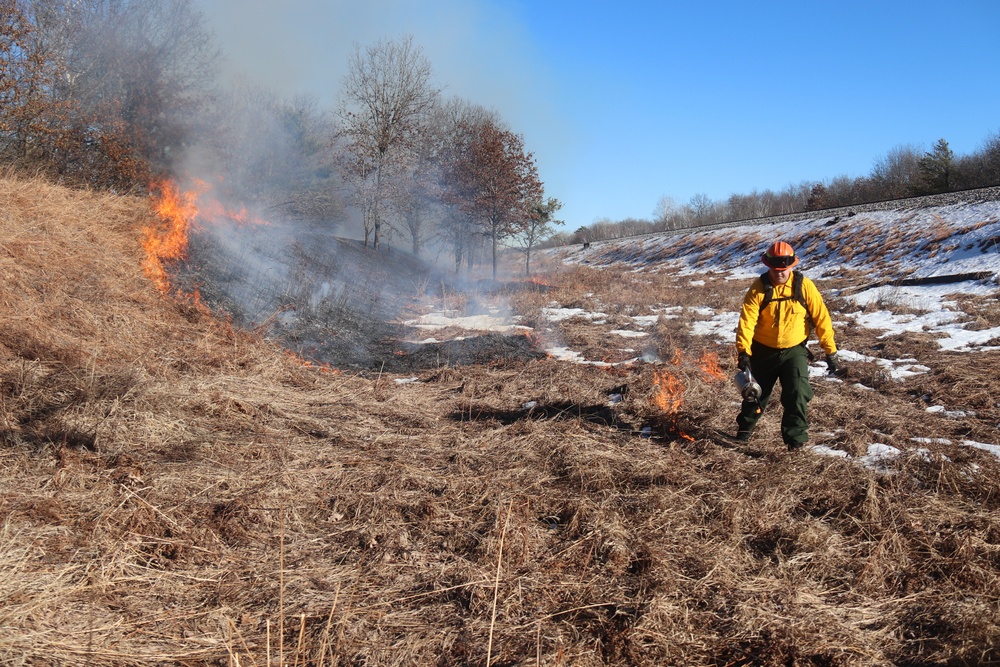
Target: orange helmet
780, 256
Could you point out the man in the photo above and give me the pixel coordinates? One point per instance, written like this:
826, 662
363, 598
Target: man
779, 312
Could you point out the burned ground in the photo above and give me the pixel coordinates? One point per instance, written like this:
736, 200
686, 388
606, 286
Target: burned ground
334, 302
180, 490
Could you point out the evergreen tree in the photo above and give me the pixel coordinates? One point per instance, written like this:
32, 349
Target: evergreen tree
935, 168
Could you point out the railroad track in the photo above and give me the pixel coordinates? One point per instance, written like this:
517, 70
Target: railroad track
972, 195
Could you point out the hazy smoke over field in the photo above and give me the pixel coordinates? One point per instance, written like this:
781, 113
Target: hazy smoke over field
271, 246
478, 50
281, 257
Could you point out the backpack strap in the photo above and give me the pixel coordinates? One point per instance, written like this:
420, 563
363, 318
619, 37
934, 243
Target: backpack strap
797, 292
765, 279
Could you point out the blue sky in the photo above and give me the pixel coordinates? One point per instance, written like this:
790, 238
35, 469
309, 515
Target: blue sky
623, 103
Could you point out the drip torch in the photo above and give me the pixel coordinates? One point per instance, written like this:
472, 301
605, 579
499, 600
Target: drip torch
748, 387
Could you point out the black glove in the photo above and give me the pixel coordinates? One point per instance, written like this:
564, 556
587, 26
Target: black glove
743, 361
833, 365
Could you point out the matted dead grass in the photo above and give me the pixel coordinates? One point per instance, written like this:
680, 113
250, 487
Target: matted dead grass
176, 491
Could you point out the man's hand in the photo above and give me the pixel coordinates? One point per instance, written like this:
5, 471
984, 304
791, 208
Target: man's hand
834, 366
743, 361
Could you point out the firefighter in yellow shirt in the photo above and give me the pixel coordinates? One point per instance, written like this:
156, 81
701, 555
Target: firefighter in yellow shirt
780, 310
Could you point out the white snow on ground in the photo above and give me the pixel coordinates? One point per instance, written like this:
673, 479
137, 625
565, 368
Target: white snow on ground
992, 449
566, 354
914, 243
556, 314
628, 334
721, 327
443, 320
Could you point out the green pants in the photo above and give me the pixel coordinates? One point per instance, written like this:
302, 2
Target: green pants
791, 367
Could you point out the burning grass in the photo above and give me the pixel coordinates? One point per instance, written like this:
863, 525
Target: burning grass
178, 491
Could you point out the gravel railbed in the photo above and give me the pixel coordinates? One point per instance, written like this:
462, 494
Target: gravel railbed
944, 199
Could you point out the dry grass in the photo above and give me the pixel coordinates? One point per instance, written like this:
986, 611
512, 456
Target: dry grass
179, 492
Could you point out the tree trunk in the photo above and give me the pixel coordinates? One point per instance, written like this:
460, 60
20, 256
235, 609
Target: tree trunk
493, 234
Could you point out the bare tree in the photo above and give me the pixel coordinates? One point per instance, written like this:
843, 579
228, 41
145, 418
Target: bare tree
666, 214
702, 208
498, 182
419, 197
134, 71
794, 197
897, 173
25, 86
385, 97
273, 152
106, 88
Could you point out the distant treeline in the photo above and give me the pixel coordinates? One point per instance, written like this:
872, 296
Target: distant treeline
905, 171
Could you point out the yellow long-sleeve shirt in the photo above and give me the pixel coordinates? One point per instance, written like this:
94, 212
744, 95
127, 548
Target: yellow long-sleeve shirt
783, 323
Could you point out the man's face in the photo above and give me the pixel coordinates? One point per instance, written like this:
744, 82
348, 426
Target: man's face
779, 276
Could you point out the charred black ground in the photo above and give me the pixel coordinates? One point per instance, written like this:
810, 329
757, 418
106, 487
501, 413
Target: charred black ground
336, 303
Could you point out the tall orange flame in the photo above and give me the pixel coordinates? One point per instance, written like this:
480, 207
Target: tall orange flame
669, 392
177, 210
167, 240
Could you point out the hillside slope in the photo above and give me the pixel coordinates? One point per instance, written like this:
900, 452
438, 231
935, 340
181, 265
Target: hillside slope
177, 491
129, 422
877, 246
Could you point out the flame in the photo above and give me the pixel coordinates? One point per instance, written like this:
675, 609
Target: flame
213, 211
305, 363
534, 340
669, 392
711, 367
166, 241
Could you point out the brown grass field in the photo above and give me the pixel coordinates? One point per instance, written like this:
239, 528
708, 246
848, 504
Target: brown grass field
178, 491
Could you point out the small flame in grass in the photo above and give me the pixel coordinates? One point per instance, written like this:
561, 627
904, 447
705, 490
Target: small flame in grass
534, 340
669, 397
214, 212
669, 392
711, 367
305, 363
